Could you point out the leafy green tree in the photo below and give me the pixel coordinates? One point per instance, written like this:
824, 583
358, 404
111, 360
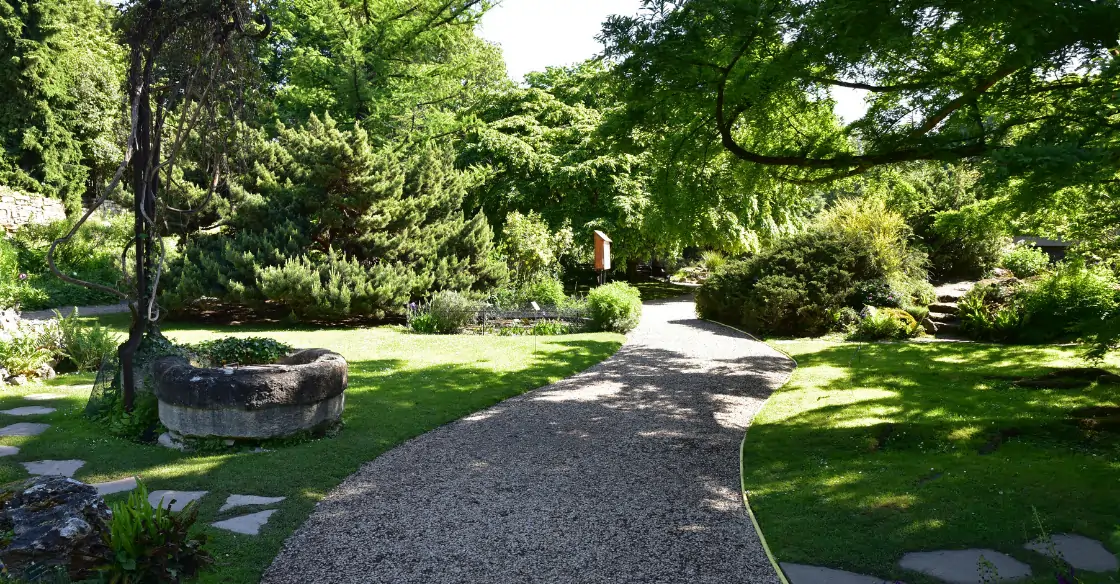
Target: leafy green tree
61, 96
403, 69
1023, 85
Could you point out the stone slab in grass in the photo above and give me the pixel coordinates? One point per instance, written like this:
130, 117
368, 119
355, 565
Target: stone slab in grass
1078, 551
246, 500
246, 524
802, 574
117, 486
64, 468
8, 451
174, 500
44, 396
963, 566
29, 411
24, 429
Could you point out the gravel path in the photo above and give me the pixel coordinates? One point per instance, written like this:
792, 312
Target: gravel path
627, 472
68, 310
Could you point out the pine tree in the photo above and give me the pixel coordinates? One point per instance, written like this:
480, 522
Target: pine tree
332, 227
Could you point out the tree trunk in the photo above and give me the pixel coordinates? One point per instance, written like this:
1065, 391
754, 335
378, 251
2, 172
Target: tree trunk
632, 269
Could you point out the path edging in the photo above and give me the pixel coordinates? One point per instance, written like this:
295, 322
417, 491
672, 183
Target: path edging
742, 447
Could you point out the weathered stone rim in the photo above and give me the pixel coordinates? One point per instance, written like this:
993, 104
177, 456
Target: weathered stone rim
306, 377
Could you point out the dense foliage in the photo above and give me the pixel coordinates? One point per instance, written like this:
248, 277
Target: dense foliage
1025, 261
332, 227
1070, 302
856, 255
239, 351
614, 307
151, 544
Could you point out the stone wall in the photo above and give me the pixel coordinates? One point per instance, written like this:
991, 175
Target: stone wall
17, 209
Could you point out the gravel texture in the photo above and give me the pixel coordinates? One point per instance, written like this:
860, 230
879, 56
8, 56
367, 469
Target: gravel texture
627, 472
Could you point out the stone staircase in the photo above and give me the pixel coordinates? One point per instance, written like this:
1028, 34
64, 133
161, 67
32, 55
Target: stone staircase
943, 313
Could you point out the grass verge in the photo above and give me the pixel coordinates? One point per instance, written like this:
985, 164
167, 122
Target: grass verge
872, 451
401, 385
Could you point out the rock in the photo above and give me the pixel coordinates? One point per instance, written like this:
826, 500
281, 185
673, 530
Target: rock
24, 429
246, 500
43, 396
929, 326
117, 486
1078, 551
303, 392
963, 566
8, 450
65, 468
45, 372
29, 411
174, 500
17, 380
54, 521
802, 574
246, 524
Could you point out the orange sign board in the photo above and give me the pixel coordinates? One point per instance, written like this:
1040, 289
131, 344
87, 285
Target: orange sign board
602, 252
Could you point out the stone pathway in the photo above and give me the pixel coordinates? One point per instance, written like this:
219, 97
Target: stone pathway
174, 500
248, 500
964, 566
65, 468
802, 574
24, 429
117, 486
28, 411
1078, 551
627, 472
246, 524
49, 314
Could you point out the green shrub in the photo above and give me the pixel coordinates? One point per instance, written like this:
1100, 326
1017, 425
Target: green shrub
614, 307
988, 312
963, 244
9, 260
544, 290
451, 312
918, 312
240, 351
333, 287
152, 544
1025, 261
712, 260
875, 293
551, 328
531, 248
1059, 304
85, 346
878, 324
422, 321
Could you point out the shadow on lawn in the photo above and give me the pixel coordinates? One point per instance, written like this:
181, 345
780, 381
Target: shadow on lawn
928, 447
639, 451
387, 404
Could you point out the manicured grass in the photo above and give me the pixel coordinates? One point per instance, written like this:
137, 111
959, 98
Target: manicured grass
872, 451
401, 385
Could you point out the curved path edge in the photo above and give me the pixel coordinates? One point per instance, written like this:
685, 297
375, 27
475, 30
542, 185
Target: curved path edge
626, 472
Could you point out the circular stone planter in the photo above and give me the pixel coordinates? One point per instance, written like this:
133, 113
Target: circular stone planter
300, 393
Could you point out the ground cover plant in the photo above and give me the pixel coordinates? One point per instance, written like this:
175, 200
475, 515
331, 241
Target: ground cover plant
401, 385
872, 451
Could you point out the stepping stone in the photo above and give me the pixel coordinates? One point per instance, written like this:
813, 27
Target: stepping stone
247, 524
8, 451
963, 566
246, 500
44, 396
24, 429
802, 574
1078, 551
174, 500
65, 468
29, 411
117, 486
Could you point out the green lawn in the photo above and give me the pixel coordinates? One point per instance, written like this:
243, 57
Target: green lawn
401, 385
873, 451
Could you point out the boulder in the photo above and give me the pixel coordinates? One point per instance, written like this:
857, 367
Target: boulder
52, 521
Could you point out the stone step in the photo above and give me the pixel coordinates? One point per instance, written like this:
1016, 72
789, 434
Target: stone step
940, 317
951, 297
948, 328
946, 307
